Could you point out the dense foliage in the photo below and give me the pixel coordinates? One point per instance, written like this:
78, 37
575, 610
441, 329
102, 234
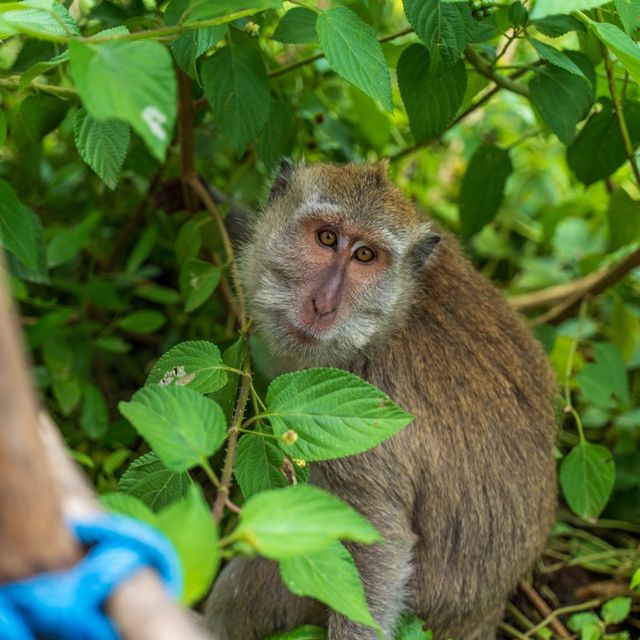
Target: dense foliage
515, 125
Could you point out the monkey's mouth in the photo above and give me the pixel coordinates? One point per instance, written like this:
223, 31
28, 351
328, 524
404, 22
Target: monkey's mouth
303, 335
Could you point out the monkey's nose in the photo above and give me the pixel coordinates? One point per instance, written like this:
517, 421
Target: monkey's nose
323, 308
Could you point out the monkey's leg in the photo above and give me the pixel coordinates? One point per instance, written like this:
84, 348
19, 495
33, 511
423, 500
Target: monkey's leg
250, 601
385, 570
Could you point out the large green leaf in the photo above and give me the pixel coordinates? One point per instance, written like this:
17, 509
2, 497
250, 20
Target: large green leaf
278, 138
297, 26
352, 49
196, 364
482, 188
557, 58
441, 26
587, 475
624, 219
598, 149
544, 8
333, 412
66, 243
37, 18
625, 49
151, 482
557, 25
192, 44
183, 427
129, 506
233, 357
226, 10
103, 144
616, 610
629, 12
198, 280
194, 534
562, 98
130, 81
283, 523
237, 88
332, 577
432, 96
20, 231
605, 379
258, 465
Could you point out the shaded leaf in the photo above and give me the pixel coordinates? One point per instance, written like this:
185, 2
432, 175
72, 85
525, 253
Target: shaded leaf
297, 26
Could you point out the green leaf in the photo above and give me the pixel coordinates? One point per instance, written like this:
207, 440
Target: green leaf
103, 145
557, 58
196, 364
412, 628
192, 44
151, 482
283, 523
482, 188
198, 280
233, 357
579, 621
129, 506
557, 25
130, 81
182, 426
94, 417
3, 127
562, 99
543, 8
330, 576
598, 149
226, 10
278, 138
606, 378
625, 49
624, 219
441, 26
333, 412
236, 85
297, 26
20, 231
37, 18
39, 115
432, 97
66, 243
142, 249
616, 610
145, 321
353, 51
194, 534
258, 465
629, 13
587, 475
635, 580
157, 293
67, 392
306, 632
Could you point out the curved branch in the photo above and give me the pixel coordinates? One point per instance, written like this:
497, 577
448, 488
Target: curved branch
485, 69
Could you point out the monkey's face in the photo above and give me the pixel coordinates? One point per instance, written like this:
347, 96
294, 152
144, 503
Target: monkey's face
324, 276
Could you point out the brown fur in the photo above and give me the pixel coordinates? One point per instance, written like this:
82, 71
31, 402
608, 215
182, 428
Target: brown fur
464, 496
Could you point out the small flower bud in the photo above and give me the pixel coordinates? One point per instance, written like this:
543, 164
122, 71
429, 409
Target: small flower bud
290, 437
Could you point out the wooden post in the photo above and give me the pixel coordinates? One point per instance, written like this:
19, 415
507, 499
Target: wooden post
33, 536
38, 481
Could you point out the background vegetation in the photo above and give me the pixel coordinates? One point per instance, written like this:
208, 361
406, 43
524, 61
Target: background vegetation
516, 128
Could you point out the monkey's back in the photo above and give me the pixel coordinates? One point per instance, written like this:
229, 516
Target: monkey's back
478, 457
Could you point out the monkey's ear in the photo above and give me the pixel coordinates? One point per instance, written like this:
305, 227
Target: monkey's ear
282, 180
380, 170
422, 249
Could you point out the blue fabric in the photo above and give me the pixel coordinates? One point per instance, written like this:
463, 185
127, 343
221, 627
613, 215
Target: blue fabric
67, 605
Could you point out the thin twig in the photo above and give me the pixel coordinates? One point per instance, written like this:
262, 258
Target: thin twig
305, 61
485, 69
544, 609
552, 617
617, 110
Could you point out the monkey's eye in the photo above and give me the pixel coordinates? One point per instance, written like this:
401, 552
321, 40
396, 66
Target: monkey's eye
327, 238
364, 254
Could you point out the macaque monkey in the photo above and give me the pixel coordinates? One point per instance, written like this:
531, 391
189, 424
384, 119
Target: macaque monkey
341, 271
